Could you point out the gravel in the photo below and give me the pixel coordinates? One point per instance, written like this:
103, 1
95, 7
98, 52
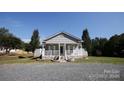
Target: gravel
62, 72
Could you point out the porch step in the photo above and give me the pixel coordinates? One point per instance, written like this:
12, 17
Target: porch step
62, 59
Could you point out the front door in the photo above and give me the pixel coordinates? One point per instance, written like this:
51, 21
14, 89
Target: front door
61, 50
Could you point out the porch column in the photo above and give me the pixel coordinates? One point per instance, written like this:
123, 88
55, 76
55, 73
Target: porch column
50, 50
73, 48
65, 51
43, 50
54, 47
59, 51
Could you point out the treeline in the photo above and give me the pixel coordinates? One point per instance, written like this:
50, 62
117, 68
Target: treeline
103, 46
8, 41
95, 47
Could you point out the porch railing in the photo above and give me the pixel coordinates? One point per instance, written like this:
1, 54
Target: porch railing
51, 52
56, 52
69, 52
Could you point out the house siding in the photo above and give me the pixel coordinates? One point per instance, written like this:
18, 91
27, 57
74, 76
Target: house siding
61, 39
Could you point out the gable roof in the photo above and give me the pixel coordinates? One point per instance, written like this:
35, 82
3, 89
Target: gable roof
65, 33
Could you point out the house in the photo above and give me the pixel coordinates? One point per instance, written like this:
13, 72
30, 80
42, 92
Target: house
63, 45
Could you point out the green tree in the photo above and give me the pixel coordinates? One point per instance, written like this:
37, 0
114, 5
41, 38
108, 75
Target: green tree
86, 41
121, 45
4, 31
98, 45
8, 41
35, 40
115, 46
27, 47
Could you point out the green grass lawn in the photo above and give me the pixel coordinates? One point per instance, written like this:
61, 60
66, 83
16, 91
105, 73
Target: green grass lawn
24, 61
113, 60
15, 59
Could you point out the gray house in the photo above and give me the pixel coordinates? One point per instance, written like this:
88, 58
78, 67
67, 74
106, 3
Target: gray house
63, 45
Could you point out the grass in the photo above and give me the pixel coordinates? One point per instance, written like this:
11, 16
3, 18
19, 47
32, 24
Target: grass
113, 60
15, 60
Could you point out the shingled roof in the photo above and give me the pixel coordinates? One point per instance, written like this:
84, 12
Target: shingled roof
66, 33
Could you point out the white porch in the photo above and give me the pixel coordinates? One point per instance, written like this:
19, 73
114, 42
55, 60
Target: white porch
61, 50
62, 45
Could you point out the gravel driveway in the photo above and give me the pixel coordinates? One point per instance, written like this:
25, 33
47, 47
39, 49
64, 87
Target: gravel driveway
61, 72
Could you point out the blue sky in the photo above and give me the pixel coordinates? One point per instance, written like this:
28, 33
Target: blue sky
98, 24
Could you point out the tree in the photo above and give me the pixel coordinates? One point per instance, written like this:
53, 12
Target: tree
27, 47
115, 46
121, 45
98, 45
8, 41
35, 40
86, 41
4, 32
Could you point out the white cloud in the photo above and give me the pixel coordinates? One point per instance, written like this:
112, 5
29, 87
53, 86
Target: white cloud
11, 22
26, 40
